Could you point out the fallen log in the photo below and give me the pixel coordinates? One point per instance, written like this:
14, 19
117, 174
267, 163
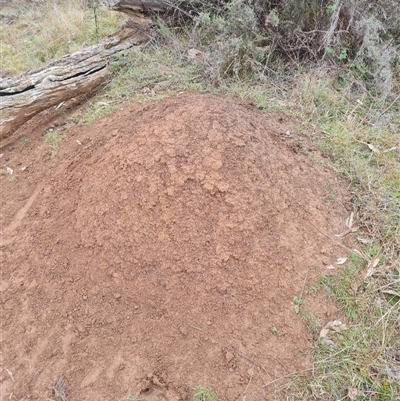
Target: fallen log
143, 10
26, 95
133, 7
23, 96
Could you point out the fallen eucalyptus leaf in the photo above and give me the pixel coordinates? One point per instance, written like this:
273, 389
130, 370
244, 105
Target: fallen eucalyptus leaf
371, 268
328, 342
365, 241
349, 220
373, 148
323, 333
353, 393
193, 53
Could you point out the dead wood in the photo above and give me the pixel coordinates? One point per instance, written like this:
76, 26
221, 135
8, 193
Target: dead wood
23, 96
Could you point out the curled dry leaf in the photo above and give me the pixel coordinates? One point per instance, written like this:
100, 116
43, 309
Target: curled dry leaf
373, 148
193, 53
60, 105
78, 142
329, 342
9, 170
349, 220
365, 241
374, 262
323, 333
330, 267
390, 150
353, 393
357, 252
371, 268
391, 292
350, 230
341, 261
335, 325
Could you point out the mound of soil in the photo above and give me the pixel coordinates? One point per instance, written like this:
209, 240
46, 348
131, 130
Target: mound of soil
160, 250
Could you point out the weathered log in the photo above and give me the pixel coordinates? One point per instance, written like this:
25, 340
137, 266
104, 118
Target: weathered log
134, 6
23, 96
143, 10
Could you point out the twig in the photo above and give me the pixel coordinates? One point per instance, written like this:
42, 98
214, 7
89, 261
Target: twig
285, 377
11, 375
195, 327
387, 108
327, 236
304, 284
251, 360
244, 392
388, 312
59, 388
229, 66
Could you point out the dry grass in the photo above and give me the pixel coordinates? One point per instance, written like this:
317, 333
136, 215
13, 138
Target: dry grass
33, 33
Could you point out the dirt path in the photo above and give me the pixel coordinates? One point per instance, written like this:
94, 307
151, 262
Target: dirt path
159, 252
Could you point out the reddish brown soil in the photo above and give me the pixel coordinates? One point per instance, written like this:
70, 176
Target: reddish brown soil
159, 253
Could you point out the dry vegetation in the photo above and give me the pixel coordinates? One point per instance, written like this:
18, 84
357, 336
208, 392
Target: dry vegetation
350, 108
35, 32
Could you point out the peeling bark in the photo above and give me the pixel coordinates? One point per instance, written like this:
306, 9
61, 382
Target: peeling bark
134, 6
23, 96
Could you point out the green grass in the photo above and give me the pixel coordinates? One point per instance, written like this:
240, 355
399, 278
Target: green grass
53, 139
205, 394
133, 397
141, 74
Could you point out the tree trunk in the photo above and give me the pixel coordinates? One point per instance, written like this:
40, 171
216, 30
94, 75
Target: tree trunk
23, 96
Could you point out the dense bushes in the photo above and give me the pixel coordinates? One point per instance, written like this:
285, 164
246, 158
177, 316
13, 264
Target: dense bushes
255, 36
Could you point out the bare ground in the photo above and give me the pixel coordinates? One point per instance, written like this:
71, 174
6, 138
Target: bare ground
158, 250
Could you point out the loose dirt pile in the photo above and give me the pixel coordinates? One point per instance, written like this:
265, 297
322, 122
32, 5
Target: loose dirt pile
160, 252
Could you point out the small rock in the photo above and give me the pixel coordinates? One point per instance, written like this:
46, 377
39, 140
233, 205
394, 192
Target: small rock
183, 330
229, 356
80, 328
117, 296
325, 260
209, 322
10, 148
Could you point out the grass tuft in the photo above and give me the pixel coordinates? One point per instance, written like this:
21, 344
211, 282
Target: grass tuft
53, 138
205, 394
